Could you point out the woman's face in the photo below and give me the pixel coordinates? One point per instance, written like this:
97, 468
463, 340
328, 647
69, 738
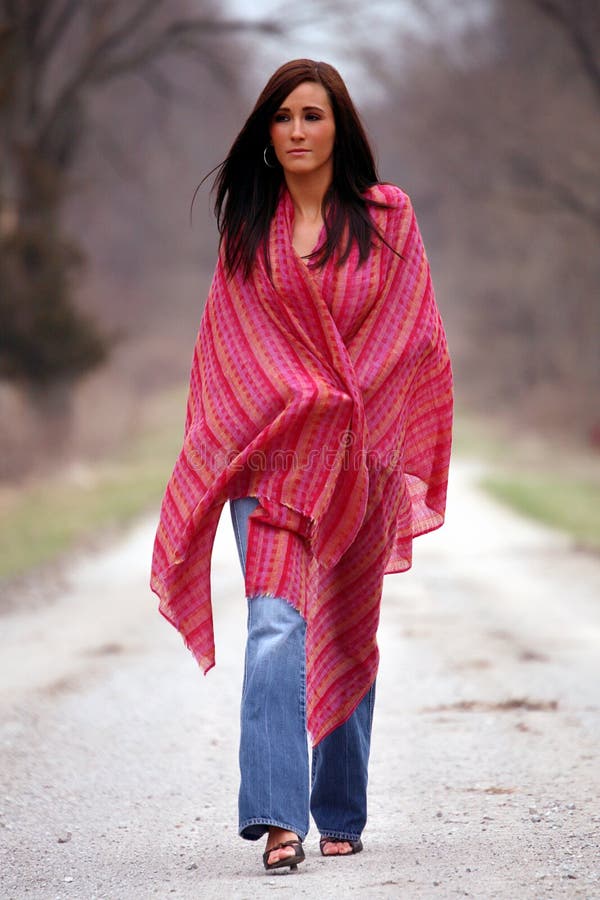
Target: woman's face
302, 130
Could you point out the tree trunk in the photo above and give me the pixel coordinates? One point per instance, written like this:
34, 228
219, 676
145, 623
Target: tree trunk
52, 408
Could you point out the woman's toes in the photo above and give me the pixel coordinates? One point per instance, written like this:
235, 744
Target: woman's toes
277, 836
336, 848
276, 855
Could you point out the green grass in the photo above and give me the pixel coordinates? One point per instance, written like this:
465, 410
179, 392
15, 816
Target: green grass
547, 480
43, 519
567, 503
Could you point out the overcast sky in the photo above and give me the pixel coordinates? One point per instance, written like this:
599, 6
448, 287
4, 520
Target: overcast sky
341, 36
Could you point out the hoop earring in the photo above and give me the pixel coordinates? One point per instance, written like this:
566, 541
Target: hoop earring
267, 163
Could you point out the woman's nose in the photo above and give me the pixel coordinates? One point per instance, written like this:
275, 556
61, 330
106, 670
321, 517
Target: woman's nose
298, 129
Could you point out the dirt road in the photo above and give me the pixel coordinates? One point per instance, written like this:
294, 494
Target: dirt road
118, 761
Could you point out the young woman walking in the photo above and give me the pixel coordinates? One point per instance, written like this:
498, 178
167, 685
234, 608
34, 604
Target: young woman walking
320, 407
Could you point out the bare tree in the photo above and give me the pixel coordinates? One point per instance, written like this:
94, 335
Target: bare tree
579, 21
499, 148
54, 54
53, 57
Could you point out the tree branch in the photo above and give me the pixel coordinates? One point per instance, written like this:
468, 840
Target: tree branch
184, 34
113, 154
33, 21
57, 30
580, 31
158, 83
122, 33
532, 184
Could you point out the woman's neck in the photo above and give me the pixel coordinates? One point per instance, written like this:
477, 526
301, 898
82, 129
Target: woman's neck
307, 193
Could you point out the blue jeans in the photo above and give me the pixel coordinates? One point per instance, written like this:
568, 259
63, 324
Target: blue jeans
274, 763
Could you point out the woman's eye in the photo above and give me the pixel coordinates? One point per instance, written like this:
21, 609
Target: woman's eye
280, 117
313, 117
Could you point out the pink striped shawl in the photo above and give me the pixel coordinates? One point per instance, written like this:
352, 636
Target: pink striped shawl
327, 394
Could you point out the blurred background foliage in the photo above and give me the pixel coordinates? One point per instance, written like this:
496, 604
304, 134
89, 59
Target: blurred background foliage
485, 111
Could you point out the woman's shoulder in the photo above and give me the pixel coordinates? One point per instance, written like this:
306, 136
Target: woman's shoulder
389, 194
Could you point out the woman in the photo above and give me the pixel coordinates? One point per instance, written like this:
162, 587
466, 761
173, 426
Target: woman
320, 406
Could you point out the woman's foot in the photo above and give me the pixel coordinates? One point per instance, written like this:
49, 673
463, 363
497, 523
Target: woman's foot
333, 847
336, 848
278, 836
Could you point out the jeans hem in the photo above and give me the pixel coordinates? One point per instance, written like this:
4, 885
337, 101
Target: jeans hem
340, 835
267, 822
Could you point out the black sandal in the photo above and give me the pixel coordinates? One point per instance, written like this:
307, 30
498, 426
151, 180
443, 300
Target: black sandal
291, 861
355, 845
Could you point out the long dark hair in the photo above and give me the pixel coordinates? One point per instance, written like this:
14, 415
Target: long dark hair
247, 191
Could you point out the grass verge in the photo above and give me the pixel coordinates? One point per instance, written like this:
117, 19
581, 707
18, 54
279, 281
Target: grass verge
47, 516
569, 504
42, 519
556, 484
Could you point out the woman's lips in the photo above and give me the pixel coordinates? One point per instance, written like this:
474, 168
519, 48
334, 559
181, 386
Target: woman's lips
297, 152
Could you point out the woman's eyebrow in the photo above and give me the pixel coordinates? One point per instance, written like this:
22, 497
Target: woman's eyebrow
304, 108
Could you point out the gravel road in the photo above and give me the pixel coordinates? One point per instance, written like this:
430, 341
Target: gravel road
118, 769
